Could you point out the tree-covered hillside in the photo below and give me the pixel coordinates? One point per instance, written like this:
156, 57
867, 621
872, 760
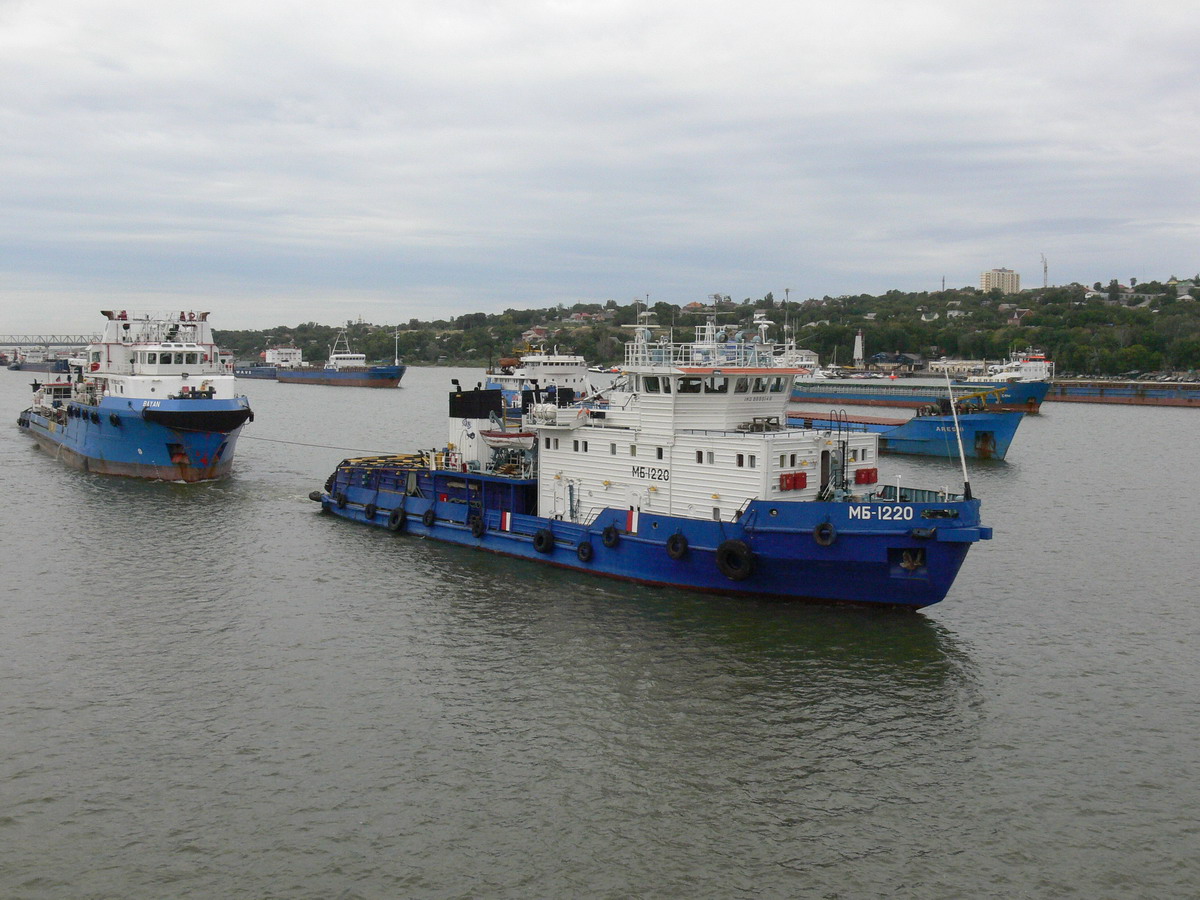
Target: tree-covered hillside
1104, 330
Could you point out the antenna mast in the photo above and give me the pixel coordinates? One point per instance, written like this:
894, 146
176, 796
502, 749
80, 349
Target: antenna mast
1045, 272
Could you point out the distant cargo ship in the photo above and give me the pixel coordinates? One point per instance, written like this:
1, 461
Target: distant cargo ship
1131, 393
345, 369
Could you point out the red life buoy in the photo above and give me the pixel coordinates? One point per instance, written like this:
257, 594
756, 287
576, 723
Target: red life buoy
95, 366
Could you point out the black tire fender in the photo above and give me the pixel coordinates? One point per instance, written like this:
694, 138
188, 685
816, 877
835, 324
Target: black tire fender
340, 499
610, 537
677, 546
428, 518
477, 526
369, 510
735, 560
543, 540
825, 534
585, 551
397, 519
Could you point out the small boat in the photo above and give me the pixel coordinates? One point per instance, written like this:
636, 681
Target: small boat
679, 474
150, 399
514, 440
345, 369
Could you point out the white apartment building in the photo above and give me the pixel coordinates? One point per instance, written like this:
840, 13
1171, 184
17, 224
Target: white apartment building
1007, 280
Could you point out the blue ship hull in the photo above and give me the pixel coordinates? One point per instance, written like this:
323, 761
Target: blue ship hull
267, 372
902, 554
172, 440
985, 435
373, 376
1021, 396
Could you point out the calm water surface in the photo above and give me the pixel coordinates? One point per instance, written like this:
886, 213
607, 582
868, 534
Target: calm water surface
214, 691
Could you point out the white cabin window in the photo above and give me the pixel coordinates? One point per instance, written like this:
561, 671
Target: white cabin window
711, 457
741, 460
659, 452
152, 359
666, 385
633, 449
741, 386
776, 385
576, 447
547, 443
699, 457
760, 385
612, 449
556, 443
650, 384
782, 458
792, 464
585, 446
95, 356
690, 385
716, 385
753, 460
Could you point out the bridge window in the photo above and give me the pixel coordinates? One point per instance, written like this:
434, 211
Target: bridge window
741, 386
152, 358
760, 385
650, 384
776, 384
689, 385
716, 385
191, 359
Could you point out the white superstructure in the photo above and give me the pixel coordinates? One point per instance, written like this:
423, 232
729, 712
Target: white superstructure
692, 429
155, 356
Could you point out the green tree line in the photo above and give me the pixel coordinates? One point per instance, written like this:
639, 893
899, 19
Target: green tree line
1109, 333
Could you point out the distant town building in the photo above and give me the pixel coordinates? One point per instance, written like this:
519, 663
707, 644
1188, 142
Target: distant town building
1008, 281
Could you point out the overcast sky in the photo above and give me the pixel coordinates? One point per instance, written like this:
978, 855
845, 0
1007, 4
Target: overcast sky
321, 161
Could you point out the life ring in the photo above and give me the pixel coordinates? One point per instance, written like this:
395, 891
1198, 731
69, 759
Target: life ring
340, 499
734, 560
428, 517
397, 520
677, 546
477, 526
114, 418
610, 536
585, 551
95, 367
543, 540
369, 510
825, 534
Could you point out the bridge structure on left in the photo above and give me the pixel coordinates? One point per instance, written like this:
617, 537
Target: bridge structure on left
47, 340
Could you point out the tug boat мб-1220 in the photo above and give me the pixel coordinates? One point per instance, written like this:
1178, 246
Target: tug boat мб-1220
682, 473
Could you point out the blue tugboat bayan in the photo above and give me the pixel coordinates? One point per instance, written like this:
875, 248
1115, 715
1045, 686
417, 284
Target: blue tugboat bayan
150, 399
682, 473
